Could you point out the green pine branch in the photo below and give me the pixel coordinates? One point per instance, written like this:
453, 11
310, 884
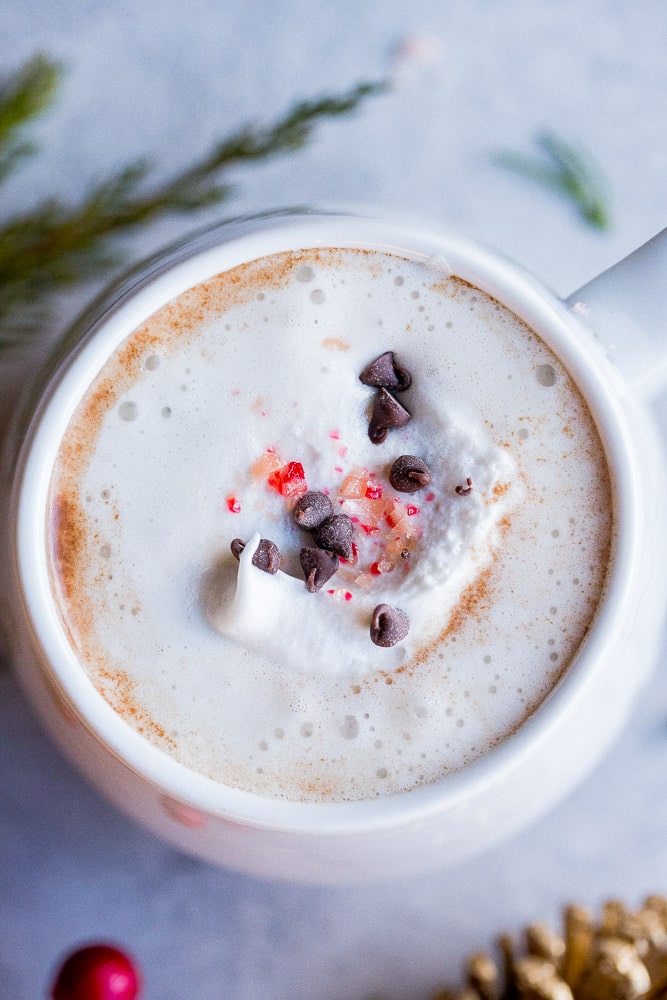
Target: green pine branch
569, 170
55, 246
26, 94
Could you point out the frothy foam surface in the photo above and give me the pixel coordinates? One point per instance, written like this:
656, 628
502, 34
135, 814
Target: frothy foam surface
246, 677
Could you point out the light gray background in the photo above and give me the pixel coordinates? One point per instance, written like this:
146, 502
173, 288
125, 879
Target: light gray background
165, 79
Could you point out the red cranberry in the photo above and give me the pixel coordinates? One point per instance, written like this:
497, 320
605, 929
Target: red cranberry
97, 972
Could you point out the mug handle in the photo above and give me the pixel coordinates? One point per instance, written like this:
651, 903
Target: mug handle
626, 306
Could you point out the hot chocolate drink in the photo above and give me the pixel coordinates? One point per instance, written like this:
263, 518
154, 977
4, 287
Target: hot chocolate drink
479, 515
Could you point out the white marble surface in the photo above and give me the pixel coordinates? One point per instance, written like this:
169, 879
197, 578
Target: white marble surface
165, 79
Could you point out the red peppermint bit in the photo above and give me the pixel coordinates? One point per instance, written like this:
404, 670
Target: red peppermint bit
331, 591
394, 515
290, 481
335, 435
267, 463
374, 569
368, 529
338, 468
233, 505
342, 451
411, 510
348, 595
354, 484
373, 492
429, 497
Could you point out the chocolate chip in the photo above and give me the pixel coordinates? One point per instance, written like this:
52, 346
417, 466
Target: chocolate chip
464, 491
318, 567
408, 474
387, 413
237, 546
335, 535
385, 373
312, 509
389, 625
266, 556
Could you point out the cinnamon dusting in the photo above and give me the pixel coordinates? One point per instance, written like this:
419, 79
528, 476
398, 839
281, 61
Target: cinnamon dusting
335, 344
119, 691
69, 533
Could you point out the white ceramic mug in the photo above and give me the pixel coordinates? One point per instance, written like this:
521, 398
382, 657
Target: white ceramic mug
615, 368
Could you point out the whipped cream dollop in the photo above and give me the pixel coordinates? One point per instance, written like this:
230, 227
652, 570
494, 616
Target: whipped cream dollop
420, 554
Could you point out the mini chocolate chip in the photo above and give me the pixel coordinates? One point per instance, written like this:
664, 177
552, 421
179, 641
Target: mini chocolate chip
387, 413
335, 535
318, 567
266, 556
389, 625
408, 474
385, 373
237, 546
464, 491
312, 509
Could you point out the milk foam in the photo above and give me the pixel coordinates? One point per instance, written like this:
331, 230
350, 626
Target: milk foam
294, 700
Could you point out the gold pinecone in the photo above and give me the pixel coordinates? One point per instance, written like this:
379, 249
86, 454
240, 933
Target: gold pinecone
622, 957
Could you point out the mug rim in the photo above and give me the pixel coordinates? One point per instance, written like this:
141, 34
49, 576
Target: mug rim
175, 270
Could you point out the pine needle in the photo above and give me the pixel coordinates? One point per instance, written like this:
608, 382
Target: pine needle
55, 246
571, 171
27, 94
24, 96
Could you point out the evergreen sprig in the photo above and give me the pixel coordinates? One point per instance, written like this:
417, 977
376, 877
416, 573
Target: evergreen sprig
22, 97
571, 171
55, 245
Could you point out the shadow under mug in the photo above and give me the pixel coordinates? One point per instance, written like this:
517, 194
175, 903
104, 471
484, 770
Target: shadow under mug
450, 819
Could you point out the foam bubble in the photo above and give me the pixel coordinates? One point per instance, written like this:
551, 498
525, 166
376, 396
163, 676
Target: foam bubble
128, 410
350, 728
546, 375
